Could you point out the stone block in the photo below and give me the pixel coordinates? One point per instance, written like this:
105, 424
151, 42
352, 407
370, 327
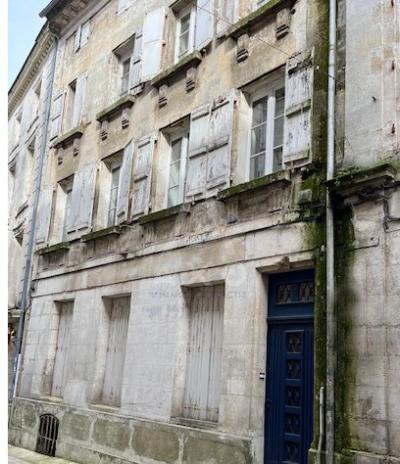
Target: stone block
75, 426
111, 434
156, 444
207, 451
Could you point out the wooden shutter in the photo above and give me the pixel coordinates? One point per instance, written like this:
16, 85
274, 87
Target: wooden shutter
60, 361
80, 215
116, 348
153, 32
204, 23
79, 100
122, 5
219, 148
56, 117
43, 217
85, 33
197, 157
77, 39
124, 184
228, 13
204, 357
141, 178
136, 61
298, 104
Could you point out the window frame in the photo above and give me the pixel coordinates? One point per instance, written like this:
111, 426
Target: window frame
65, 186
189, 9
115, 166
184, 137
268, 90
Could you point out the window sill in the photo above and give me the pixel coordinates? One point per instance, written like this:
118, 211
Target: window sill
193, 423
104, 408
69, 137
193, 59
165, 213
114, 230
270, 179
362, 181
51, 249
243, 25
117, 107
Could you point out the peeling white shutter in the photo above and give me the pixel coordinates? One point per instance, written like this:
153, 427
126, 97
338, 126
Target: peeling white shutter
123, 5
204, 23
142, 178
44, 214
204, 356
197, 156
228, 13
124, 184
298, 105
219, 148
63, 339
85, 33
77, 39
153, 32
80, 215
136, 61
116, 349
56, 116
79, 100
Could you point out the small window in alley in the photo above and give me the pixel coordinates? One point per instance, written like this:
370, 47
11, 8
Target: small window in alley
124, 55
185, 30
266, 131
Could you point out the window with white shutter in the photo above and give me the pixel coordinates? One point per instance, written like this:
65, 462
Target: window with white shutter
64, 312
135, 73
204, 355
77, 98
185, 31
124, 184
123, 5
82, 35
124, 54
204, 23
142, 176
228, 13
177, 170
298, 109
56, 116
117, 313
153, 34
43, 217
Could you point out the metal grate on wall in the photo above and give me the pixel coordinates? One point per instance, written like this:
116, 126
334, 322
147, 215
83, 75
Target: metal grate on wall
47, 436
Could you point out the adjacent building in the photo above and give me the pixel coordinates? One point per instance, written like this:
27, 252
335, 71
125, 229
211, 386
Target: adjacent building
178, 309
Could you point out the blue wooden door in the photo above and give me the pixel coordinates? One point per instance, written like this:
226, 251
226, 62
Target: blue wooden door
289, 394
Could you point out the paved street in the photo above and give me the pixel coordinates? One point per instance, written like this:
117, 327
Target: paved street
23, 456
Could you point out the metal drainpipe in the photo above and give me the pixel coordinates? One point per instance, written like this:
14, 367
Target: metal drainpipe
330, 247
31, 239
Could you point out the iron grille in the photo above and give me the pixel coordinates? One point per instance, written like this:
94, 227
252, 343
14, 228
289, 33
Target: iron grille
48, 433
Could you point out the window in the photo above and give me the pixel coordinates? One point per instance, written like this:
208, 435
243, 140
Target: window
82, 35
112, 206
64, 203
36, 94
185, 32
124, 55
117, 320
177, 170
64, 312
204, 354
124, 5
266, 134
71, 94
76, 98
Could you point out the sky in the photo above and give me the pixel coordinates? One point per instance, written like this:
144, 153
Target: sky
23, 26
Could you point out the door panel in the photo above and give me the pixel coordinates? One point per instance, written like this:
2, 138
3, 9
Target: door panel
289, 395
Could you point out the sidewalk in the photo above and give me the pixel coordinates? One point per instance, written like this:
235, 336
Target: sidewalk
23, 456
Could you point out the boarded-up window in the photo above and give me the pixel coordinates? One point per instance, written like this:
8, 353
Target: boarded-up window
63, 340
203, 369
118, 318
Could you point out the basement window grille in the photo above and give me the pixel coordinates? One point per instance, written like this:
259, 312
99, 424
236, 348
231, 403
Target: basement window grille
48, 433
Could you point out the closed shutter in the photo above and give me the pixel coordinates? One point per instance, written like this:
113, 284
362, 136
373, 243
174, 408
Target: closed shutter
136, 61
142, 178
116, 349
197, 158
298, 104
123, 5
219, 149
85, 33
80, 215
124, 184
204, 356
43, 217
77, 40
79, 100
60, 361
153, 32
228, 13
204, 23
56, 117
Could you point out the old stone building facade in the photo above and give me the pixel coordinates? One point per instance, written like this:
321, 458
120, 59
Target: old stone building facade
179, 306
